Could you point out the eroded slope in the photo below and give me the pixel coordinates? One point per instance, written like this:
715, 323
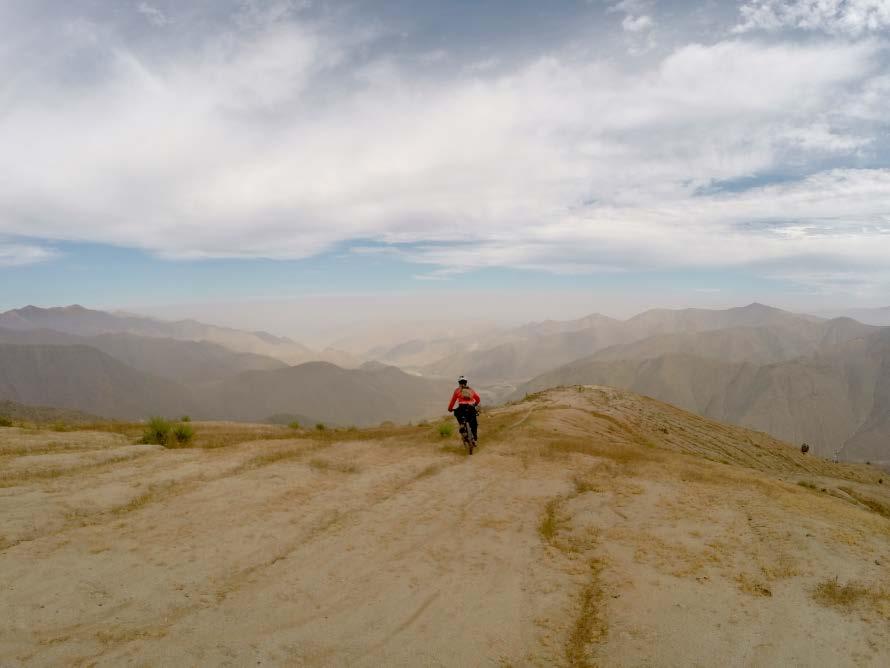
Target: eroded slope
594, 527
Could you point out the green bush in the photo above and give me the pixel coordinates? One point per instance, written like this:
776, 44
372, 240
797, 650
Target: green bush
446, 429
160, 431
185, 418
5, 422
157, 431
183, 433
320, 426
294, 425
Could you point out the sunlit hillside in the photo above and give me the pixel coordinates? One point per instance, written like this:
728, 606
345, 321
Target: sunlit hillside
593, 527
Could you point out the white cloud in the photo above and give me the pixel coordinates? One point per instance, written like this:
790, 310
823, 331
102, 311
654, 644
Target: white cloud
153, 14
286, 140
849, 17
20, 255
637, 23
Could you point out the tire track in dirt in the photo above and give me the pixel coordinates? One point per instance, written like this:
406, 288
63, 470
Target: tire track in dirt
233, 583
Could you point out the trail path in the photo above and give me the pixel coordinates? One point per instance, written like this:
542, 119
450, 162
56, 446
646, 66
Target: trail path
565, 541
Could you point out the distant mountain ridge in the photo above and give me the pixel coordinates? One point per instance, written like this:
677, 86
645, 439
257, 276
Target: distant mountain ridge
837, 400
81, 321
82, 378
872, 316
537, 348
364, 396
185, 362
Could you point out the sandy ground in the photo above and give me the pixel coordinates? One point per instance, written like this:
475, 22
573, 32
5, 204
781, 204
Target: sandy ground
593, 527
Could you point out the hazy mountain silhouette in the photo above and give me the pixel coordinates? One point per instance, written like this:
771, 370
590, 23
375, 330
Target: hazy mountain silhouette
534, 349
836, 400
871, 316
368, 395
85, 379
188, 362
87, 322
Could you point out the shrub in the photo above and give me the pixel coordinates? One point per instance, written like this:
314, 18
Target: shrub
446, 429
5, 422
294, 425
185, 418
183, 433
320, 426
157, 431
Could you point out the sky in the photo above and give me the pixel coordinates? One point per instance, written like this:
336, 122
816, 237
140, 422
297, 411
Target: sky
414, 158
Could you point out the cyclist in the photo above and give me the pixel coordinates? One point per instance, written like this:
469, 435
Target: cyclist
467, 401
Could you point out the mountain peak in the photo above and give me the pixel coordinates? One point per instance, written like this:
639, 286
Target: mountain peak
757, 306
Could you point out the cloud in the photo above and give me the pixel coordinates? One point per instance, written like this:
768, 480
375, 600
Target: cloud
20, 255
288, 138
847, 17
637, 23
153, 14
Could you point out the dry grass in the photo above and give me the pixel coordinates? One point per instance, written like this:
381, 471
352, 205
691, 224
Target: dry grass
428, 471
267, 458
875, 505
326, 465
153, 493
590, 626
584, 484
16, 478
619, 453
550, 520
833, 593
50, 449
752, 586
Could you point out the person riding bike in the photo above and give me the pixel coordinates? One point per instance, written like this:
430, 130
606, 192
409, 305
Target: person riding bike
467, 401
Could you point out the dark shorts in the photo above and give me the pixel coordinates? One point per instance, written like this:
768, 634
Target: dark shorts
467, 413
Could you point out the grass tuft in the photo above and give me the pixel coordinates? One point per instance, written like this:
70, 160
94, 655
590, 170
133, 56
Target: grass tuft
157, 431
183, 433
5, 422
831, 592
446, 429
589, 627
326, 465
549, 525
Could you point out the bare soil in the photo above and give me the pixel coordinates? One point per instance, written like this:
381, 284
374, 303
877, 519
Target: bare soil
593, 527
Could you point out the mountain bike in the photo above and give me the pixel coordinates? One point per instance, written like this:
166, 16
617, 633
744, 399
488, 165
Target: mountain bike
466, 434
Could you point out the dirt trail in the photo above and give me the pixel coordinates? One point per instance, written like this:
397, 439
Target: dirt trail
592, 528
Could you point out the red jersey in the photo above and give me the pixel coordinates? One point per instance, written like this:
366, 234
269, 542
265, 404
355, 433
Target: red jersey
469, 397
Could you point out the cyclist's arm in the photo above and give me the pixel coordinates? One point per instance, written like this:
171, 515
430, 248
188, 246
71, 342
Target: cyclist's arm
453, 400
476, 398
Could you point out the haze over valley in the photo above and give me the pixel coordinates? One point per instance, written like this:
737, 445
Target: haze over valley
798, 377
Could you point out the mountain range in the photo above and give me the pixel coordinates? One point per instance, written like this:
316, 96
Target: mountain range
799, 377
534, 349
836, 398
129, 367
81, 321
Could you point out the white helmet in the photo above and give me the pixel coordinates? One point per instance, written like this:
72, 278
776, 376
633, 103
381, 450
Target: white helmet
461, 380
